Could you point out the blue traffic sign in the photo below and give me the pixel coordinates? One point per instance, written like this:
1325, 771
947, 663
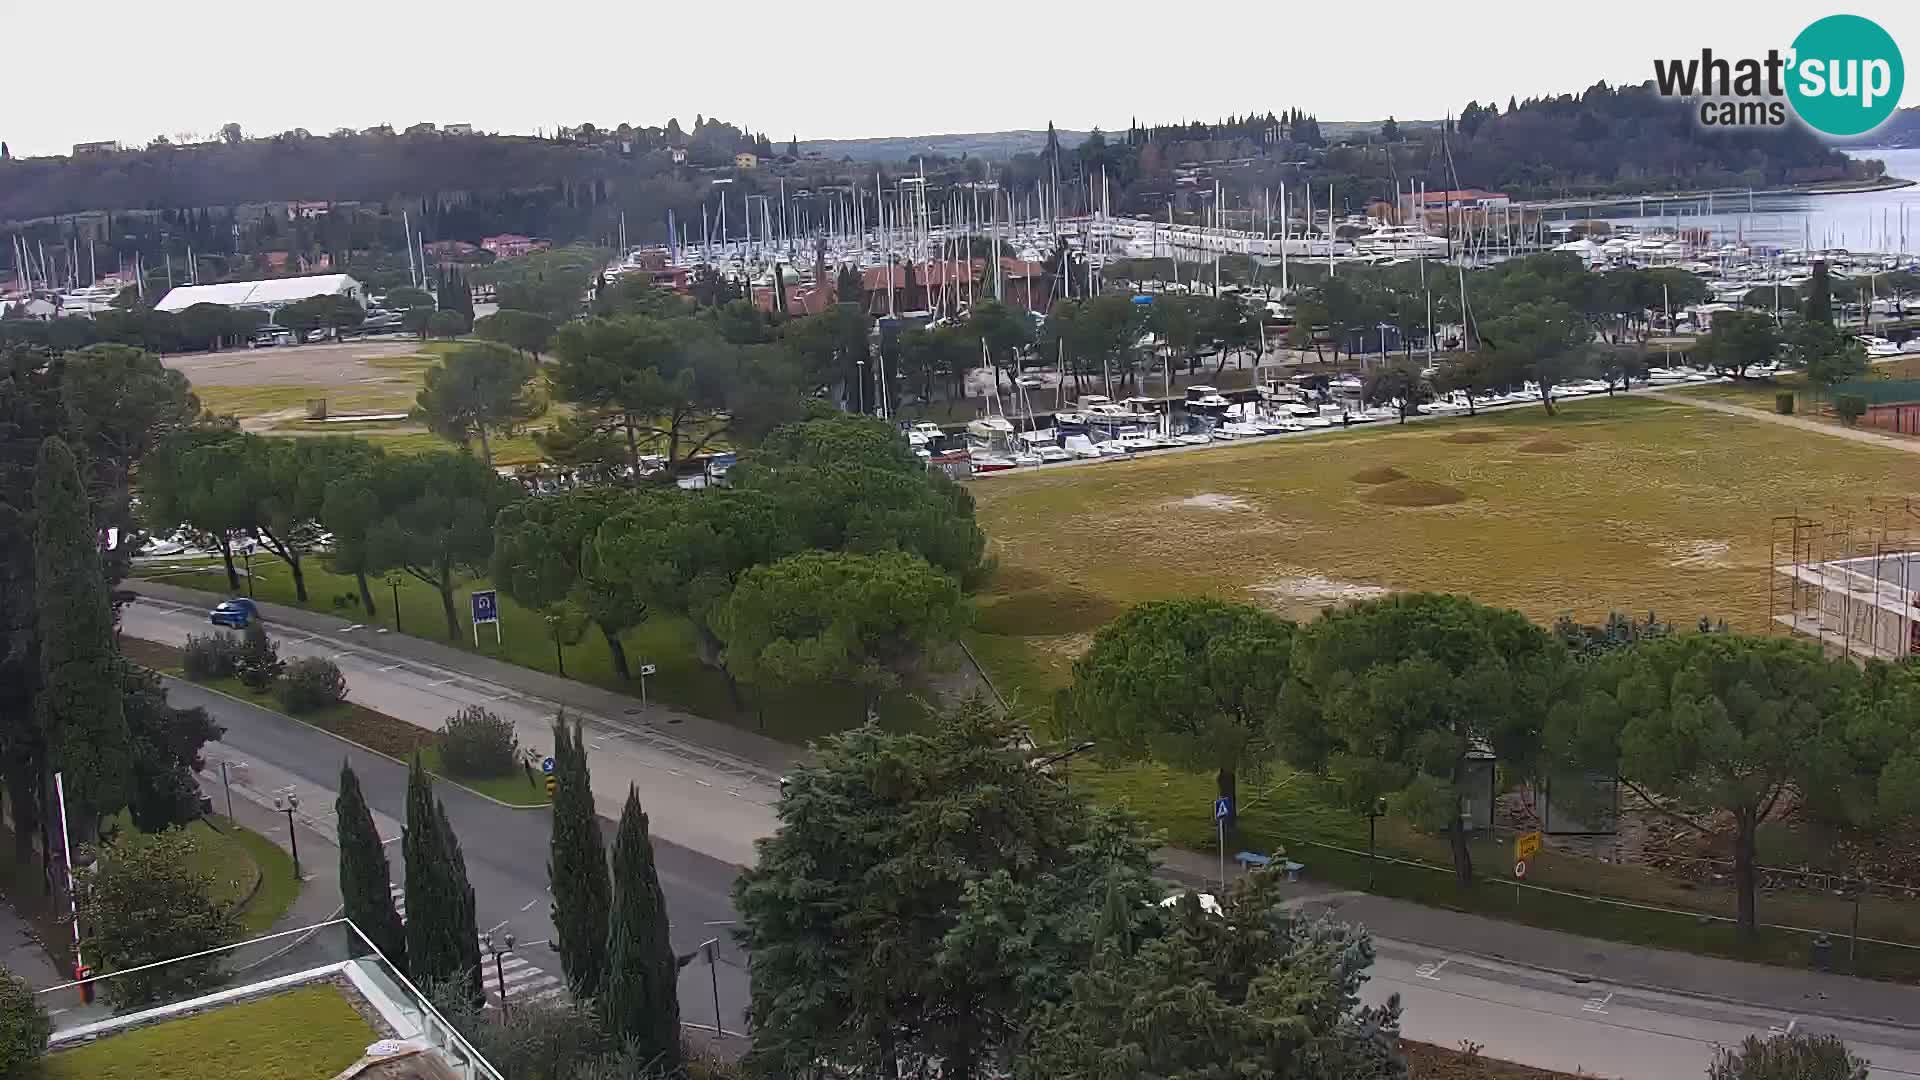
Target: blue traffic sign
546, 765
486, 606
1222, 808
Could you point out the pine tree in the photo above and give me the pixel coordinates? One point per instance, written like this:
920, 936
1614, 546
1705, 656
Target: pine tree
642, 1000
80, 710
577, 868
442, 940
366, 888
6, 154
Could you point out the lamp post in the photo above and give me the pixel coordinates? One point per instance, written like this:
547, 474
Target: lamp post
863, 386
393, 582
287, 804
246, 555
1374, 814
559, 658
499, 971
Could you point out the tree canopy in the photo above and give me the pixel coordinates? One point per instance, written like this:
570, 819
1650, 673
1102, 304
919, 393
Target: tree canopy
478, 391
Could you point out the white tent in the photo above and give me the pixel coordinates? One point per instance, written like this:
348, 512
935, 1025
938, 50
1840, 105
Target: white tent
269, 295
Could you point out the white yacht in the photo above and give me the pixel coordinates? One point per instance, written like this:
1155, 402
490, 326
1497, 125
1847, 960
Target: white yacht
1401, 240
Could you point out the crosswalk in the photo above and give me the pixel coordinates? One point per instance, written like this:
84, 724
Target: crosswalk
524, 981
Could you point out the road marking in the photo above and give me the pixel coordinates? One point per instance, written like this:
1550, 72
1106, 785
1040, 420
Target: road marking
391, 667
1598, 1003
701, 782
1430, 970
1776, 1029
530, 904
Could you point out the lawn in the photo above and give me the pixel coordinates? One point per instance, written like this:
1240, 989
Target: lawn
309, 1033
663, 640
245, 868
1632, 504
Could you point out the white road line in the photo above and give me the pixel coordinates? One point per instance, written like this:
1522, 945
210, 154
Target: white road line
701, 782
1775, 1029
1430, 970
1598, 1003
530, 903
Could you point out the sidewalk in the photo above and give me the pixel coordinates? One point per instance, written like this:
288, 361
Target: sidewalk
1582, 959
21, 953
1859, 435
319, 896
770, 754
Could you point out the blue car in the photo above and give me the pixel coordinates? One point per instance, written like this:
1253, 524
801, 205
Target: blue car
236, 613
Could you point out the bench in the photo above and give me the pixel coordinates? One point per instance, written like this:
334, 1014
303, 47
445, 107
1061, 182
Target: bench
1253, 860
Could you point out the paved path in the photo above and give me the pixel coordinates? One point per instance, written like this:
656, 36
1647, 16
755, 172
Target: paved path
1856, 434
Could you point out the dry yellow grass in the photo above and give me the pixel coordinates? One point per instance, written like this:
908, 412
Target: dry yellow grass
1378, 474
1659, 507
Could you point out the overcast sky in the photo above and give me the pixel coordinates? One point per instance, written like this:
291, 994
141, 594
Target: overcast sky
131, 69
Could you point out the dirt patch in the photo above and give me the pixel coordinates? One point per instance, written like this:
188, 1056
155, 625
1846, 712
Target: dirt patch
1211, 500
1687, 553
1317, 589
1414, 493
1547, 446
1471, 438
1008, 580
1428, 1062
1379, 474
1046, 612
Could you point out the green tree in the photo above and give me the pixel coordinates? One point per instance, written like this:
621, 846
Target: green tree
925, 893
81, 715
645, 378
1543, 342
406, 298
348, 509
366, 885
120, 405
542, 555
1819, 292
1827, 356
165, 743
820, 618
144, 901
1793, 1056
443, 939
1398, 694
419, 320
526, 331
448, 325
25, 1026
1738, 340
642, 999
1400, 385
479, 390
1717, 723
1249, 992
1196, 683
1390, 131
436, 520
577, 868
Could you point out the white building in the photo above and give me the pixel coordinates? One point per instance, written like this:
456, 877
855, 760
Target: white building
269, 295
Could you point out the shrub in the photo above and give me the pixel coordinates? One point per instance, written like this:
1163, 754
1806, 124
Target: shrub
1799, 1056
210, 656
258, 662
1783, 403
476, 743
146, 901
24, 1026
1850, 408
312, 683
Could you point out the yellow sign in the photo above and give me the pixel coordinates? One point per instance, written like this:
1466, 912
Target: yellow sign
1526, 845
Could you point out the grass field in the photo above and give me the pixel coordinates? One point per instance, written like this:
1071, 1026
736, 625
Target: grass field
1630, 504
662, 640
309, 1033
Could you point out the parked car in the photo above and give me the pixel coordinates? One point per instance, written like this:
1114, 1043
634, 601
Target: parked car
235, 613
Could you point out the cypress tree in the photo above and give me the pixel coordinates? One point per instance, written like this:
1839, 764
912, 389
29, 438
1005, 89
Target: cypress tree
1820, 294
80, 710
442, 941
366, 892
642, 1000
577, 868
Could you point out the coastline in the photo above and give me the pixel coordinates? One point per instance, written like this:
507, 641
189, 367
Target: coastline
1844, 187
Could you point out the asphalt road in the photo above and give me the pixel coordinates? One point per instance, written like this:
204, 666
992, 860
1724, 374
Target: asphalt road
704, 801
505, 849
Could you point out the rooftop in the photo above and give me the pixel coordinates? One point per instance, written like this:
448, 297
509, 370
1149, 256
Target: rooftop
269, 292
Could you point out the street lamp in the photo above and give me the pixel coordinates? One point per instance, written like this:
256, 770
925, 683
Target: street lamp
863, 386
1374, 813
287, 804
393, 582
246, 555
499, 971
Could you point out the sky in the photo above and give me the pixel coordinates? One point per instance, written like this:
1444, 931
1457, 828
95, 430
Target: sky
860, 68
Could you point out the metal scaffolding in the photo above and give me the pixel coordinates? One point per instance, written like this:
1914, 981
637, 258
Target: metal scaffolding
1848, 578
